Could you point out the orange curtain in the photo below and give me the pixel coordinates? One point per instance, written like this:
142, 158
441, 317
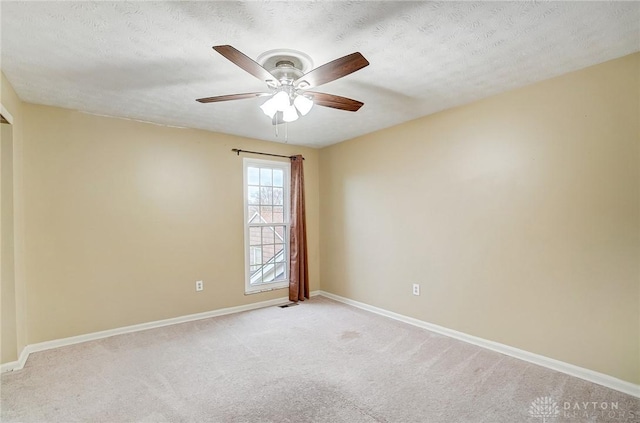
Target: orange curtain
298, 269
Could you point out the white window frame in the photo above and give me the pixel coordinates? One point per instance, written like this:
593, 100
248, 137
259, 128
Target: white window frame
250, 288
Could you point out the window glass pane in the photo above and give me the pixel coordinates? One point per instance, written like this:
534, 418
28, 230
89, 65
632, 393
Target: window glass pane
255, 255
266, 213
268, 235
253, 176
278, 216
280, 272
279, 249
278, 196
266, 195
268, 275
254, 236
253, 213
265, 176
254, 269
267, 253
253, 194
278, 177
280, 232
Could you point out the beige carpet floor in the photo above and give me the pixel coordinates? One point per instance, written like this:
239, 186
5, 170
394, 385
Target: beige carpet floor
321, 361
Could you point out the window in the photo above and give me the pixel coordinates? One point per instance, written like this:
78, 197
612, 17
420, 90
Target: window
266, 214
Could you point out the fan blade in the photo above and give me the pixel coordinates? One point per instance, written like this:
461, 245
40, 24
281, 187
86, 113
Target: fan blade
332, 71
230, 97
245, 62
335, 101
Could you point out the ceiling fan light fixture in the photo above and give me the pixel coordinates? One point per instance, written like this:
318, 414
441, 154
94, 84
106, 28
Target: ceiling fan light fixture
287, 74
269, 108
281, 101
290, 114
303, 104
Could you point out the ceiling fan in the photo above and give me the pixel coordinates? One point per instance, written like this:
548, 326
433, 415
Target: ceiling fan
284, 73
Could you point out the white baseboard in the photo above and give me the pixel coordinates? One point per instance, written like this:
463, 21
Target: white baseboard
15, 365
550, 363
56, 343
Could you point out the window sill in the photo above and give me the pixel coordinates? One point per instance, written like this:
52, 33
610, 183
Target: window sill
265, 289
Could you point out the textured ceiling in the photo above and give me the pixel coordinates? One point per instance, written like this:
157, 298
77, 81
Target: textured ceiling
151, 60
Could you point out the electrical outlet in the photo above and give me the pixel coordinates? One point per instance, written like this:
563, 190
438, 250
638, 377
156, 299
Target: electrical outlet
199, 285
416, 289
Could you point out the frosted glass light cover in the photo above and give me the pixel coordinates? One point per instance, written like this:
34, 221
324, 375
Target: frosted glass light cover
269, 108
281, 101
290, 114
303, 104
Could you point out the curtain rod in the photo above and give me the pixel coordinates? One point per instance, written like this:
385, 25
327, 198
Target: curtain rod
238, 151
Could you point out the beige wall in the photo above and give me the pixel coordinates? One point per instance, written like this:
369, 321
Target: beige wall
7, 264
12, 287
122, 218
518, 215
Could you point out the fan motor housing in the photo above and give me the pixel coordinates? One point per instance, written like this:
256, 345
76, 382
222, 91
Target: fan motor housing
285, 64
